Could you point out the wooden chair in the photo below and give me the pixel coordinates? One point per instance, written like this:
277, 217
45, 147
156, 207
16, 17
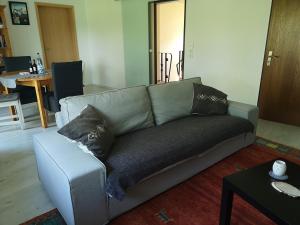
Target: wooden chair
12, 100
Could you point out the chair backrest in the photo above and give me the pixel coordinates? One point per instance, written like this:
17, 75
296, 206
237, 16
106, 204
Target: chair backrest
67, 79
16, 63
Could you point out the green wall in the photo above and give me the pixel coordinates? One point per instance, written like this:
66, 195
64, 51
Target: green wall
105, 64
135, 33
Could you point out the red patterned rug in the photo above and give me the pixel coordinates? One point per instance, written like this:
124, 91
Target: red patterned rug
197, 200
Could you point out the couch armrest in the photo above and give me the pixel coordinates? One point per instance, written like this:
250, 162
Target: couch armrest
249, 112
73, 179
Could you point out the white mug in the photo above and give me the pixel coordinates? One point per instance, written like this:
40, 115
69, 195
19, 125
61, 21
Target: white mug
279, 168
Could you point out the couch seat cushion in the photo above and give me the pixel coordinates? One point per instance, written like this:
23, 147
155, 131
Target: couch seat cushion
137, 155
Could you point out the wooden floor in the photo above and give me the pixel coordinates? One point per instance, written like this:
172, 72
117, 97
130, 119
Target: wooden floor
21, 194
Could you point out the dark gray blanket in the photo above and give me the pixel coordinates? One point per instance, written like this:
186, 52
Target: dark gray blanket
137, 155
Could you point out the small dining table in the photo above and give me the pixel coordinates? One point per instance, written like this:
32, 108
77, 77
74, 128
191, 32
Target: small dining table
36, 81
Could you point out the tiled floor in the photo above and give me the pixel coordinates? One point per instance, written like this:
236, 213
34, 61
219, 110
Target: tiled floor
280, 133
21, 194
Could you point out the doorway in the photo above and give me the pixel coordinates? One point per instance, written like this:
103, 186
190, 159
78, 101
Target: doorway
280, 85
166, 40
58, 32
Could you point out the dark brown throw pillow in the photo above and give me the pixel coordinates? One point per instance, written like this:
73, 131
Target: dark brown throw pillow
209, 101
90, 128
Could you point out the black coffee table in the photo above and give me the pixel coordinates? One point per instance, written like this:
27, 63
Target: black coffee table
254, 186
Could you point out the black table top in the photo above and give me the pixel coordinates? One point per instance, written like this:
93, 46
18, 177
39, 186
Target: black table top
254, 185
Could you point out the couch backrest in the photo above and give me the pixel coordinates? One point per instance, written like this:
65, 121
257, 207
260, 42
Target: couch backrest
172, 100
126, 109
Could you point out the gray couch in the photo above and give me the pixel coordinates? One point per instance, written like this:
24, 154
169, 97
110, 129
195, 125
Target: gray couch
75, 180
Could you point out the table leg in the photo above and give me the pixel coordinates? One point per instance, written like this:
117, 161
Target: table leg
39, 97
12, 109
226, 205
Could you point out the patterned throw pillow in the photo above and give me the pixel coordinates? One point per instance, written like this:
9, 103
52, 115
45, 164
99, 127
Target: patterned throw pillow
90, 129
209, 101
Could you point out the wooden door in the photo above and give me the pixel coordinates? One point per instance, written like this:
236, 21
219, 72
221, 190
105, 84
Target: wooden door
280, 86
58, 33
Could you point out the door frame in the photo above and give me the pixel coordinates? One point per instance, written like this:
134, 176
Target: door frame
73, 20
154, 50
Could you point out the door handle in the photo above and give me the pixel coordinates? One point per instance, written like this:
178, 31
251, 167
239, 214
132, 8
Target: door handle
270, 57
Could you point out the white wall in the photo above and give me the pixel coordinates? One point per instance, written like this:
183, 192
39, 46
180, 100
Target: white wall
170, 27
25, 40
225, 43
99, 34
105, 64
